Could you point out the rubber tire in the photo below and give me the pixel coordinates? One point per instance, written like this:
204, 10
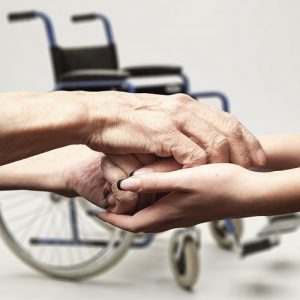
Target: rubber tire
85, 271
220, 237
191, 260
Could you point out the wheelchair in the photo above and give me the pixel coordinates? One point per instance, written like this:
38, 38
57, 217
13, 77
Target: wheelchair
62, 237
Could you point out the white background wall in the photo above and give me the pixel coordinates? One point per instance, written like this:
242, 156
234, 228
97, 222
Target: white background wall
249, 49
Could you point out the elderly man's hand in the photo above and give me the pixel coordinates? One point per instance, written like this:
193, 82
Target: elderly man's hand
113, 168
192, 132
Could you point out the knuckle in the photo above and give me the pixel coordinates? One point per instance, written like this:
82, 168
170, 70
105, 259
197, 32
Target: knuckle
218, 151
219, 142
79, 93
245, 160
183, 98
234, 129
198, 157
252, 140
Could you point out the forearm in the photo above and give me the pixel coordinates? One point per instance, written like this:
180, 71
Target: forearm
274, 193
34, 173
282, 150
35, 123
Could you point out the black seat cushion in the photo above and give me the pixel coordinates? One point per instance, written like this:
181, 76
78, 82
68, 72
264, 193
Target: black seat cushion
93, 75
140, 71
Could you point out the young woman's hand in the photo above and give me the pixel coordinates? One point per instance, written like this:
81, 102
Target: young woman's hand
196, 195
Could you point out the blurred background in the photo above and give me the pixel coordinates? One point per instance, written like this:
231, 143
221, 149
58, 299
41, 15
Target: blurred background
250, 50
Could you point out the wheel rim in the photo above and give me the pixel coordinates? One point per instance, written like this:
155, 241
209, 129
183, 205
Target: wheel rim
26, 217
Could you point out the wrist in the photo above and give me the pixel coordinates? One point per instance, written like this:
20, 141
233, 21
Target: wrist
251, 193
101, 112
74, 116
273, 193
32, 123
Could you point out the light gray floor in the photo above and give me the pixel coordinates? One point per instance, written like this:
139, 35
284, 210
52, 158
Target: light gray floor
145, 274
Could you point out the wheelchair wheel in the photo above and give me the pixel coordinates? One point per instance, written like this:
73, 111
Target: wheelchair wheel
221, 235
93, 210
57, 236
184, 259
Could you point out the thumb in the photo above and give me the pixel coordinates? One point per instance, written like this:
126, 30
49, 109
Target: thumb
160, 165
153, 182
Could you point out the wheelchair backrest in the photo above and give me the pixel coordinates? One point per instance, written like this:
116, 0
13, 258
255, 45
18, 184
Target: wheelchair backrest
70, 59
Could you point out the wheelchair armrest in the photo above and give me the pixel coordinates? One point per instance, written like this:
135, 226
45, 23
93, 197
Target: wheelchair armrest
93, 75
142, 71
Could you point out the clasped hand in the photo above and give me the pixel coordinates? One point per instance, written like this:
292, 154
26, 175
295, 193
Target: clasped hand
162, 195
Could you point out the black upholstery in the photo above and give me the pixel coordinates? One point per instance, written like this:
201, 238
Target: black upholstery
161, 89
140, 71
66, 60
96, 64
92, 75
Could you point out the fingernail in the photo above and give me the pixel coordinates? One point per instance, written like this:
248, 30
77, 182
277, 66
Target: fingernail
143, 170
261, 157
119, 184
130, 184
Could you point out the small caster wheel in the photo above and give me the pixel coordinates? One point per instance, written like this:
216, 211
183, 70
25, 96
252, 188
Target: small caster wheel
221, 235
184, 258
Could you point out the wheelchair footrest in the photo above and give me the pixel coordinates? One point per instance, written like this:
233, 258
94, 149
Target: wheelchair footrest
280, 225
258, 245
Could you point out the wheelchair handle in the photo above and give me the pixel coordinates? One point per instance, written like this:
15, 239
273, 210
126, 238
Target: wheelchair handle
21, 16
96, 16
28, 15
84, 17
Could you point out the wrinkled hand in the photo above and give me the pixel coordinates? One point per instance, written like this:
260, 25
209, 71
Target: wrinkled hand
78, 172
195, 195
190, 131
116, 167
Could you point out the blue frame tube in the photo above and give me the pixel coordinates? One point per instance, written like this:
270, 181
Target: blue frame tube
220, 96
48, 27
144, 243
107, 28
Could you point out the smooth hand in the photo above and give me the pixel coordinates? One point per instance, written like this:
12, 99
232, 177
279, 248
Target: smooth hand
195, 195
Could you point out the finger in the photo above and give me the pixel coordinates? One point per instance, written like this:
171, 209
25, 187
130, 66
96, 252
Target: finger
230, 127
162, 214
111, 200
146, 159
106, 190
205, 135
185, 151
121, 221
238, 150
257, 154
111, 172
140, 222
128, 163
161, 165
126, 202
158, 182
